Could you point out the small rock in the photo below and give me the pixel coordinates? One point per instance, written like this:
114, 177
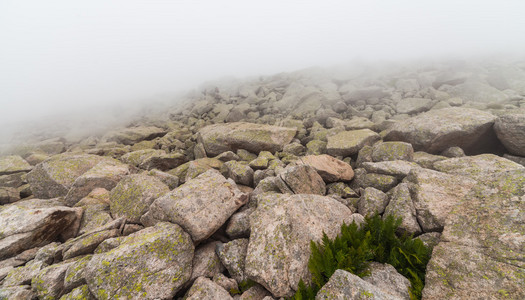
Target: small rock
392, 151
301, 179
348, 143
233, 256
330, 169
205, 289
372, 202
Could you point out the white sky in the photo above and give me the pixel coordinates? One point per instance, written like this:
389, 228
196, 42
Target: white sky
60, 55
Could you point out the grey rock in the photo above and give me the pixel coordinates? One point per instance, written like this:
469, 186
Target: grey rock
348, 143
372, 201
301, 179
329, 168
427, 160
133, 135
81, 292
9, 195
239, 224
49, 282
200, 211
476, 167
240, 172
233, 257
510, 129
453, 152
13, 164
392, 151
256, 292
228, 284
206, 263
21, 292
345, 285
386, 278
400, 205
205, 289
396, 168
413, 105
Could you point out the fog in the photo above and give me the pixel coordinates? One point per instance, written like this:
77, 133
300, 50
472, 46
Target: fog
65, 57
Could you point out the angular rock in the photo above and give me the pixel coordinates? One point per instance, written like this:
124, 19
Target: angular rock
200, 211
239, 224
392, 151
130, 136
372, 202
301, 179
281, 230
426, 160
49, 282
134, 194
476, 167
32, 223
435, 194
348, 143
21, 292
9, 195
241, 173
74, 276
170, 180
413, 105
331, 169
56, 175
397, 168
13, 164
256, 292
152, 263
106, 174
233, 256
205, 289
227, 283
510, 130
154, 159
81, 292
345, 285
220, 138
400, 205
481, 252
96, 210
437, 130
206, 263
386, 278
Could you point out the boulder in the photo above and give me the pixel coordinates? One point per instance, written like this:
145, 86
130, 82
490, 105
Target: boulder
49, 282
386, 278
482, 248
372, 202
348, 143
200, 211
413, 105
205, 289
435, 194
154, 159
396, 168
233, 256
81, 292
437, 130
401, 206
476, 167
282, 227
106, 174
9, 195
150, 264
96, 210
345, 285
134, 194
240, 172
13, 164
130, 136
55, 176
206, 263
331, 169
239, 224
21, 292
510, 129
301, 179
392, 151
220, 138
33, 223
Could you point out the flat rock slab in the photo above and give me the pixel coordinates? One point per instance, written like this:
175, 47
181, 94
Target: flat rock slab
330, 168
476, 167
13, 164
130, 136
32, 223
510, 130
482, 250
153, 263
282, 227
413, 105
201, 205
348, 143
301, 179
435, 194
219, 138
437, 130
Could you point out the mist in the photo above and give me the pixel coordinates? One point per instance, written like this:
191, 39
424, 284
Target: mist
96, 58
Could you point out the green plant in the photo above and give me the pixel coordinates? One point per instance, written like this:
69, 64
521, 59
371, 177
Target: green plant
354, 248
243, 286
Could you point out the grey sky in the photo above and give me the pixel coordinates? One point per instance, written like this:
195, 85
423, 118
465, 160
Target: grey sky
61, 55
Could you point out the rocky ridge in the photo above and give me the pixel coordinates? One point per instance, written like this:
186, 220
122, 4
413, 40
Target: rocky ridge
232, 185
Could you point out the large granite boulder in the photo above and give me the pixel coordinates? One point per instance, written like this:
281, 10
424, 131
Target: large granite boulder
413, 105
345, 285
133, 195
301, 179
33, 223
481, 254
13, 164
331, 169
200, 211
476, 167
282, 227
153, 263
133, 135
510, 130
220, 138
348, 143
437, 130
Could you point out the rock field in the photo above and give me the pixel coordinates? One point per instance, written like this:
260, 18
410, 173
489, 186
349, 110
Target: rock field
234, 182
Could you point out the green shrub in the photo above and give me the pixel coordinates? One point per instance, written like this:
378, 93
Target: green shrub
356, 247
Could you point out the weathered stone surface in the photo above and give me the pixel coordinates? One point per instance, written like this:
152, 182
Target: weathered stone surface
150, 159
476, 167
437, 130
400, 205
200, 211
13, 164
301, 179
281, 230
21, 292
32, 223
348, 143
397, 168
240, 172
233, 256
427, 160
56, 175
170, 180
220, 138
378, 181
106, 174
49, 282
153, 263
392, 151
81, 292
435, 194
74, 276
130, 136
239, 224
9, 195
372, 201
206, 263
96, 210
134, 194
481, 253
331, 169
227, 283
345, 285
256, 292
386, 278
205, 289
510, 130
413, 105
